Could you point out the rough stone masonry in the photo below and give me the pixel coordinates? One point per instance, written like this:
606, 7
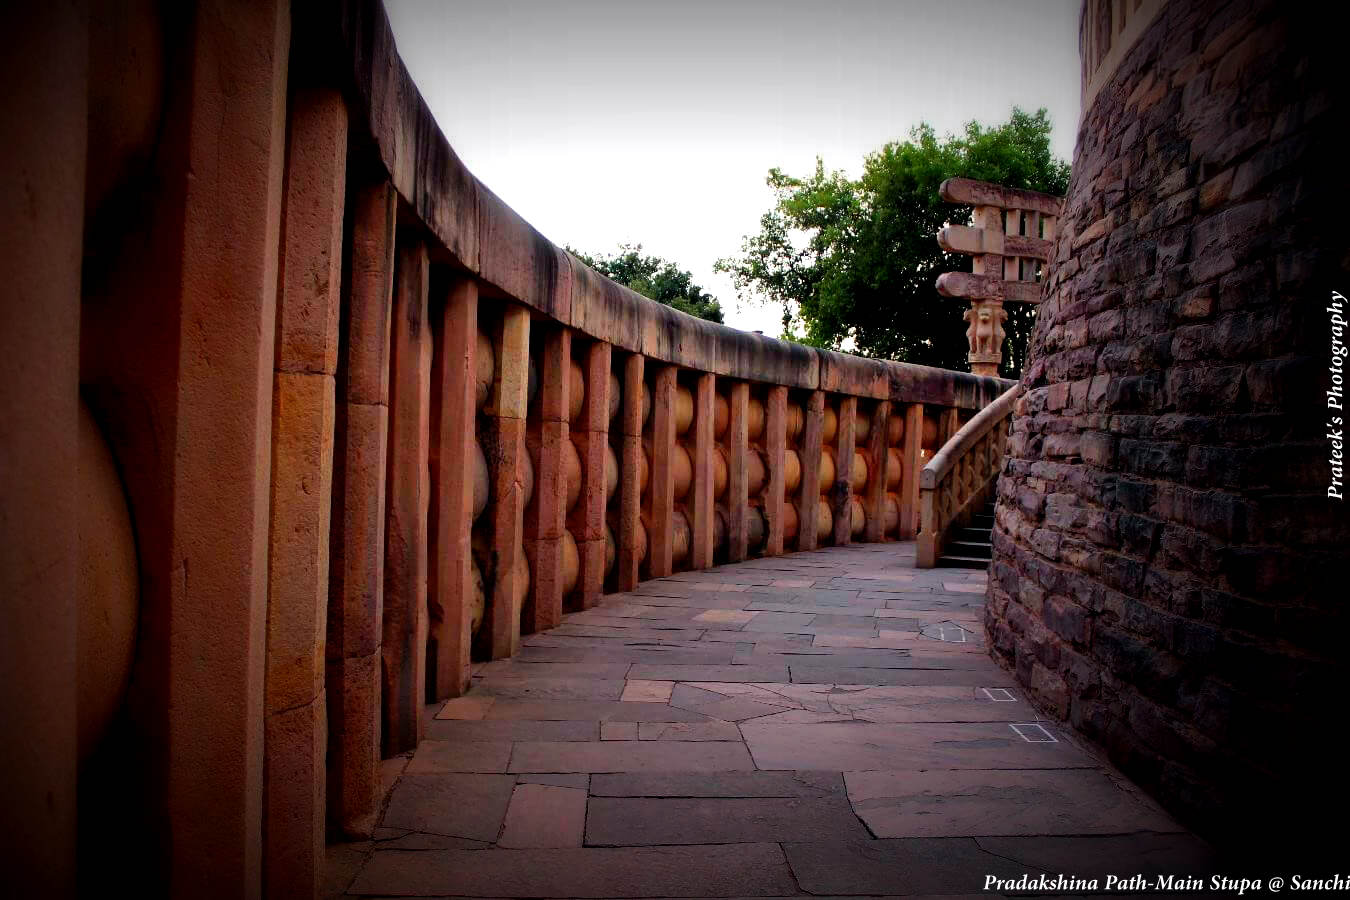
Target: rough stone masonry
1168, 572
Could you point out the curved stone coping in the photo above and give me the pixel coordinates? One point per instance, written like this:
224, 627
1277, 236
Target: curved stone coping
489, 239
984, 421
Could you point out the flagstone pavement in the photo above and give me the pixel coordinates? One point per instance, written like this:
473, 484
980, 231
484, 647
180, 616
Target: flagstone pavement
820, 724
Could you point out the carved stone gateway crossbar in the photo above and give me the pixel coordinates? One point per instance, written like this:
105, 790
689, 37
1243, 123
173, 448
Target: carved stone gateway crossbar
961, 477
1010, 240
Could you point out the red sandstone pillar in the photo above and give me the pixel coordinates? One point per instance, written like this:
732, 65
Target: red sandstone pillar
302, 476
661, 513
405, 556
505, 447
356, 585
841, 495
43, 116
591, 435
877, 447
809, 497
909, 479
630, 464
701, 501
738, 448
546, 515
454, 414
775, 444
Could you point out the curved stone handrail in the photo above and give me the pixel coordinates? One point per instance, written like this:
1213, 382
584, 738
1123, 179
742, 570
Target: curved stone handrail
491, 241
960, 474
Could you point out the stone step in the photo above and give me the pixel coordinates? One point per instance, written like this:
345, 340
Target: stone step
963, 562
973, 549
978, 535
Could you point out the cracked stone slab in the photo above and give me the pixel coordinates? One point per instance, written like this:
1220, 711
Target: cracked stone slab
597, 710
688, 731
1097, 856
491, 730
710, 673
902, 867
974, 802
452, 756
719, 706
465, 806
719, 784
857, 746
637, 821
542, 815
630, 756
637, 691
730, 870
545, 688
823, 674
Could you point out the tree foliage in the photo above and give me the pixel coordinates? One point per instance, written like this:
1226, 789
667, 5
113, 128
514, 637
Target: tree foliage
858, 259
656, 278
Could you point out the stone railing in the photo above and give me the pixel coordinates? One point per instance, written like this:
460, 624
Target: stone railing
363, 425
962, 476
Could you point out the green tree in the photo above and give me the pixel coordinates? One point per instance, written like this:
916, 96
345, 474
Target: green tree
656, 278
858, 259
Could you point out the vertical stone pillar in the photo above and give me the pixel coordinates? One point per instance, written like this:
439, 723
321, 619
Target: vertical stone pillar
405, 538
662, 483
877, 448
775, 445
302, 473
738, 447
44, 119
224, 284
504, 448
910, 466
701, 492
841, 495
356, 568
949, 423
630, 474
545, 517
591, 435
454, 416
809, 499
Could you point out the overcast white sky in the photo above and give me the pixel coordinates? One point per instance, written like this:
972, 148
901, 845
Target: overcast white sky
611, 121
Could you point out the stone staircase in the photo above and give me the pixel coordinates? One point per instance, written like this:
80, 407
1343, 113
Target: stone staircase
971, 547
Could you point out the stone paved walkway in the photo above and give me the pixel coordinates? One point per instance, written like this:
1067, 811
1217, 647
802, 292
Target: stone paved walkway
826, 723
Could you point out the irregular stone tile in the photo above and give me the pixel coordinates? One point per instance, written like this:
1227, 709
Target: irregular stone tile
851, 675
618, 731
784, 622
542, 815
511, 730
626, 654
962, 587
910, 866
719, 706
804, 717
416, 840
807, 608
759, 639
552, 689
341, 863
598, 710
638, 691
630, 756
448, 756
791, 582
1098, 856
688, 731
635, 821
931, 704
719, 784
969, 802
520, 668
857, 746
568, 629
710, 673
580, 782
467, 806
724, 617
728, 870
740, 689
472, 706
698, 600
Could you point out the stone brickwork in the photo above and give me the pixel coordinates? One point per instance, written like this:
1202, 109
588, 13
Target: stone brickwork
1168, 571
